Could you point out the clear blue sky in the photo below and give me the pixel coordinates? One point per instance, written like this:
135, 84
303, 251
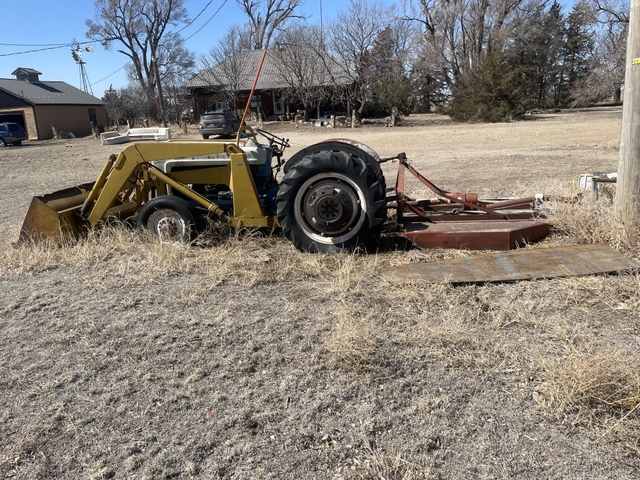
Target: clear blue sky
45, 22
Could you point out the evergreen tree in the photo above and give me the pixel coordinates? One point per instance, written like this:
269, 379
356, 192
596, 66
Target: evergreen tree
497, 91
392, 87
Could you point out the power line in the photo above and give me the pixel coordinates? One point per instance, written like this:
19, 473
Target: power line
60, 45
210, 18
194, 33
33, 44
110, 75
54, 46
33, 51
196, 17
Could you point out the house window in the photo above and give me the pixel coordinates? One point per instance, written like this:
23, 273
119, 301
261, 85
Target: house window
256, 101
278, 103
92, 116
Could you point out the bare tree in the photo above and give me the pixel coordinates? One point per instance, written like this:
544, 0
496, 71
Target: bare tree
393, 63
128, 103
458, 33
610, 22
139, 27
176, 64
351, 39
266, 17
302, 66
224, 67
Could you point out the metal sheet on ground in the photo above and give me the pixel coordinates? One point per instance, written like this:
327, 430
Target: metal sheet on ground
523, 264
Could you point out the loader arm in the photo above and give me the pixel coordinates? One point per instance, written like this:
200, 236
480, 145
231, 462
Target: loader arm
130, 179
131, 173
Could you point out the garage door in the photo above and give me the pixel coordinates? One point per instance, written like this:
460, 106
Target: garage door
16, 117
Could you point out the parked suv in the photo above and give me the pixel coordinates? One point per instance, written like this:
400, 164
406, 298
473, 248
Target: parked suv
219, 123
11, 133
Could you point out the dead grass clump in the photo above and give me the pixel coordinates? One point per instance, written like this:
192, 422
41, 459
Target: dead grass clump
576, 216
613, 293
117, 249
376, 464
377, 461
585, 221
32, 257
265, 259
98, 245
217, 233
351, 274
592, 380
353, 341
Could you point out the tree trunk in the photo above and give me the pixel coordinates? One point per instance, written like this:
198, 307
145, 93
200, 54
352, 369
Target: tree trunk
306, 111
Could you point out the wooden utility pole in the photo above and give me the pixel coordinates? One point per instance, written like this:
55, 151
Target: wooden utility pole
628, 188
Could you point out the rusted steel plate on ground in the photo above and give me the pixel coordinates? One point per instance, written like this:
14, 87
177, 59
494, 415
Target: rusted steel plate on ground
522, 264
477, 234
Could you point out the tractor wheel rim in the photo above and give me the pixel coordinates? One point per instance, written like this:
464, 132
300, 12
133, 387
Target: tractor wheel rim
329, 207
168, 225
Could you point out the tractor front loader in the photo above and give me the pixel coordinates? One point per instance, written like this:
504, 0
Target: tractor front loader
333, 196
167, 186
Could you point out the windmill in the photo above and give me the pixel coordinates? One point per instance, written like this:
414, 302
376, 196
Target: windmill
76, 53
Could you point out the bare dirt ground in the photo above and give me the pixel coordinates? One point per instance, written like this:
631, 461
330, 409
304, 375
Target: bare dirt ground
122, 357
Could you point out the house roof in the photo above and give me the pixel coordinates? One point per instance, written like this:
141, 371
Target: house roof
25, 70
47, 93
245, 65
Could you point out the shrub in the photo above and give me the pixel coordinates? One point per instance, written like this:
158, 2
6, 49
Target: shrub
496, 91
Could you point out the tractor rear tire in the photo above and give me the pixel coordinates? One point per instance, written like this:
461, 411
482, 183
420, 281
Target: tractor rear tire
330, 201
168, 217
341, 146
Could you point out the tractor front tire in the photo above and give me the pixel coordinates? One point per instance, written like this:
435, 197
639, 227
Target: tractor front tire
330, 201
168, 217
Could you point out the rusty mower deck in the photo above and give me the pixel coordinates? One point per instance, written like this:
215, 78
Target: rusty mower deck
462, 220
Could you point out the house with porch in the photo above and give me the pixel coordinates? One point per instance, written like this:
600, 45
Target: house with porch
285, 73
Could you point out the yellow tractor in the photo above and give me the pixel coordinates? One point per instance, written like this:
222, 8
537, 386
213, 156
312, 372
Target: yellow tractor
332, 196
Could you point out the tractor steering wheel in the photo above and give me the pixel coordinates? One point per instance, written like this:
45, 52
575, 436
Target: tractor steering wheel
283, 142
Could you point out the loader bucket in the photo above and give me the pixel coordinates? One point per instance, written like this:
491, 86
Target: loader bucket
55, 215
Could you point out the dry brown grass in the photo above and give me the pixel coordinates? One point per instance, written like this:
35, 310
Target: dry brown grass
592, 378
376, 464
240, 357
586, 221
596, 386
251, 256
579, 218
353, 341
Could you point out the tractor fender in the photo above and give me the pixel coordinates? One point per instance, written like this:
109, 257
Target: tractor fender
346, 145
